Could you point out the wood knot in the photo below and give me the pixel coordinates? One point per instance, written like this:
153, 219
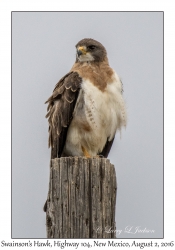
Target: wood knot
48, 221
45, 207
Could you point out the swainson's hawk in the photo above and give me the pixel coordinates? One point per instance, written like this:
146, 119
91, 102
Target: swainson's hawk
86, 107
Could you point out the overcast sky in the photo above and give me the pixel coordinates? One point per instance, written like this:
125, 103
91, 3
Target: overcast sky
43, 50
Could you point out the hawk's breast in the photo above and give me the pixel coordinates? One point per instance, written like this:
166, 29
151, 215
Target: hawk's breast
97, 116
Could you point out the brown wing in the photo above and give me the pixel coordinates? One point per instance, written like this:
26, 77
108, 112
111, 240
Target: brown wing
106, 148
60, 111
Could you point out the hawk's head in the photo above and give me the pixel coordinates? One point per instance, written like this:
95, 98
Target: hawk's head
90, 50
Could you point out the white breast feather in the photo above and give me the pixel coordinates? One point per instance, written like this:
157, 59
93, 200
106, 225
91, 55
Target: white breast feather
104, 112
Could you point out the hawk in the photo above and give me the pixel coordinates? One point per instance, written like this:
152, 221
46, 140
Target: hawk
86, 107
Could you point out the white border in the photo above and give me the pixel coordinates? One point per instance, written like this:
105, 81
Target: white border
5, 94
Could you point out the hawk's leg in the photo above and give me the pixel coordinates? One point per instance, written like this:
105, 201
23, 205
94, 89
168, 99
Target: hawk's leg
85, 152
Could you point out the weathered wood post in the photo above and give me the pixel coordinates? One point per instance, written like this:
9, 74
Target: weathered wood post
81, 198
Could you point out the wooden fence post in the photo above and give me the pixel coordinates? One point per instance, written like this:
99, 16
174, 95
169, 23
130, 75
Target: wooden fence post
81, 198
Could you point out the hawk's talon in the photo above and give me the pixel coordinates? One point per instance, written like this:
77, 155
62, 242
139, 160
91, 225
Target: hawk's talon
101, 156
85, 152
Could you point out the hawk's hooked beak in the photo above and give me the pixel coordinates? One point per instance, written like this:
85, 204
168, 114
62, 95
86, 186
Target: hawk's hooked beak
81, 51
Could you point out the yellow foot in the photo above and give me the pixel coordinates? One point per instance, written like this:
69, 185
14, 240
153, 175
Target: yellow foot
85, 152
97, 156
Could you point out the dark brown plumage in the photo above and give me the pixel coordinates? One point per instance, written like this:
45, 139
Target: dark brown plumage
97, 49
72, 105
60, 110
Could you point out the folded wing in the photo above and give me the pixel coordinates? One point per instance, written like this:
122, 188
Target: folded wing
60, 111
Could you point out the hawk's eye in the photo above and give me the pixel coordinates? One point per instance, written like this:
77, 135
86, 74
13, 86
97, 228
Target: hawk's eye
91, 47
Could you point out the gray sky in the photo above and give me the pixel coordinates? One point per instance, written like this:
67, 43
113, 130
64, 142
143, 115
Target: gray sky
43, 50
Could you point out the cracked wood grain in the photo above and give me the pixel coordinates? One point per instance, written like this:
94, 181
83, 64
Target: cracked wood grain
81, 198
